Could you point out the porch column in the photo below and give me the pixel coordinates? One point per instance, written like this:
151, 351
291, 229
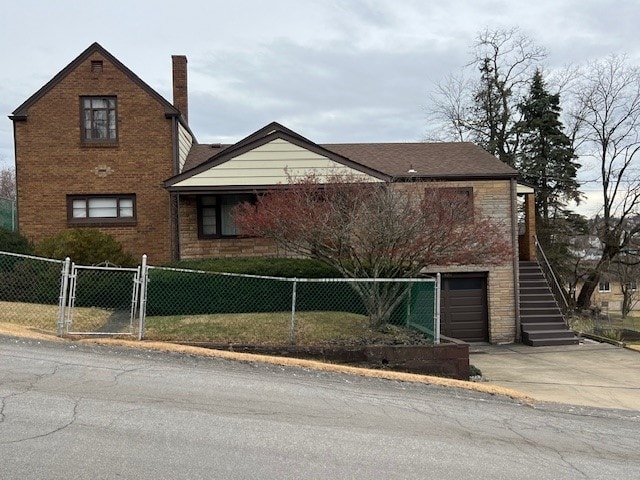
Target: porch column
527, 243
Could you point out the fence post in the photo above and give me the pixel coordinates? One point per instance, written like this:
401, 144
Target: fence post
436, 339
292, 329
62, 301
409, 304
144, 272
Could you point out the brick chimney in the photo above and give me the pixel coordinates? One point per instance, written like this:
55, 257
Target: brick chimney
180, 96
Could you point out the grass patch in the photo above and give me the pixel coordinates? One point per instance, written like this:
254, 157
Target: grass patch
312, 328
45, 317
317, 328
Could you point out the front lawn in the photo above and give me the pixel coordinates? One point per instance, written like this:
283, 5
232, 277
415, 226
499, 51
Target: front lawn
262, 329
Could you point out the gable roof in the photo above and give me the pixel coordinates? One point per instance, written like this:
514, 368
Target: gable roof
200, 159
21, 112
383, 161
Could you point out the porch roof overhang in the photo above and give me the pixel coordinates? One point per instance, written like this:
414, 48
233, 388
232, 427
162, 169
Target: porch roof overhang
523, 189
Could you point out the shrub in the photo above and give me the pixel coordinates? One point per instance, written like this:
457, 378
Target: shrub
85, 246
271, 267
14, 242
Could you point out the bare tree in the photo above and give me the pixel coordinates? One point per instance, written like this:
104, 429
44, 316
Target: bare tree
8, 183
484, 109
368, 230
607, 100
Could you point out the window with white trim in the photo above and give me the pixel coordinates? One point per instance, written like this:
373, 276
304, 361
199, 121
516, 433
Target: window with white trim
87, 209
604, 286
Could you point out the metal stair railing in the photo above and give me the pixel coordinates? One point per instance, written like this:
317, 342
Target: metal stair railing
557, 290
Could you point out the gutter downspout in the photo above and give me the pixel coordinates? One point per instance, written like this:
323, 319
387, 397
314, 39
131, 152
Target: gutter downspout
516, 263
174, 207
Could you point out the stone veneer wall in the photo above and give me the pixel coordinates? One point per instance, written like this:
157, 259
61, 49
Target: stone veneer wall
493, 199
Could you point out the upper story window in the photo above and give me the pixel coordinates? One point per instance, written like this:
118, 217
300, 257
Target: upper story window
87, 209
604, 286
99, 119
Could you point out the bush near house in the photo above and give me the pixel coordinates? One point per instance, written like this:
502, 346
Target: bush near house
14, 242
270, 267
85, 246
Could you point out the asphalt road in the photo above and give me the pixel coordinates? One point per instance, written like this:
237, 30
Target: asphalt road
70, 412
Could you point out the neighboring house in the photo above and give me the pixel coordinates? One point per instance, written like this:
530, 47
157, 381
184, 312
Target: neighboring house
609, 295
98, 147
619, 278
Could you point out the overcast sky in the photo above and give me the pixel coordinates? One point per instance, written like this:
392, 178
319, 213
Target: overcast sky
332, 70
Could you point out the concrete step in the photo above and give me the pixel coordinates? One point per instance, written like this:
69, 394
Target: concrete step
548, 342
541, 321
537, 326
527, 304
531, 273
535, 297
537, 334
533, 283
537, 311
534, 318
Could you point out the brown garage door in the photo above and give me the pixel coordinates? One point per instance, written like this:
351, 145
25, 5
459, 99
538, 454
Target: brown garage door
463, 308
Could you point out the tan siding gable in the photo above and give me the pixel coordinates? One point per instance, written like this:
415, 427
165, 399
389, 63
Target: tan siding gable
184, 145
269, 164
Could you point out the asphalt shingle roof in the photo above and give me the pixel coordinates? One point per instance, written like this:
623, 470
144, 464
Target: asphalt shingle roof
437, 160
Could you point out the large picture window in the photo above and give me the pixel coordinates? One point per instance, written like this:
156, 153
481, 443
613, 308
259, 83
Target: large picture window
215, 217
99, 119
101, 209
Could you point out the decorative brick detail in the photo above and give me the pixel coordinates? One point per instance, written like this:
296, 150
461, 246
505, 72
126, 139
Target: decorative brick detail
103, 171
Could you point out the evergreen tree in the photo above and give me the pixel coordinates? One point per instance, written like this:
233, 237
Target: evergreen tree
547, 161
546, 157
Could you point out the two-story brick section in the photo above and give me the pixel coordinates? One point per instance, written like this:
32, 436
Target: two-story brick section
98, 147
92, 148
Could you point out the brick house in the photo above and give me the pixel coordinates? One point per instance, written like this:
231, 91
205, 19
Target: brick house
92, 148
98, 147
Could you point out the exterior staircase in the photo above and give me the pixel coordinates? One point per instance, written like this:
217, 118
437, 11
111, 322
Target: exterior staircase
541, 320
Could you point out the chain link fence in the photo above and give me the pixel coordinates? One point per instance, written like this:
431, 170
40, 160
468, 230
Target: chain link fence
30, 290
8, 217
198, 306
195, 305
101, 300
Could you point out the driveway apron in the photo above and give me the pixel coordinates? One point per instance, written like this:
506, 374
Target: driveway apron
590, 374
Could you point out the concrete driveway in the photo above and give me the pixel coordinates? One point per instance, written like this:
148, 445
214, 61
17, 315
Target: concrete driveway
590, 374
